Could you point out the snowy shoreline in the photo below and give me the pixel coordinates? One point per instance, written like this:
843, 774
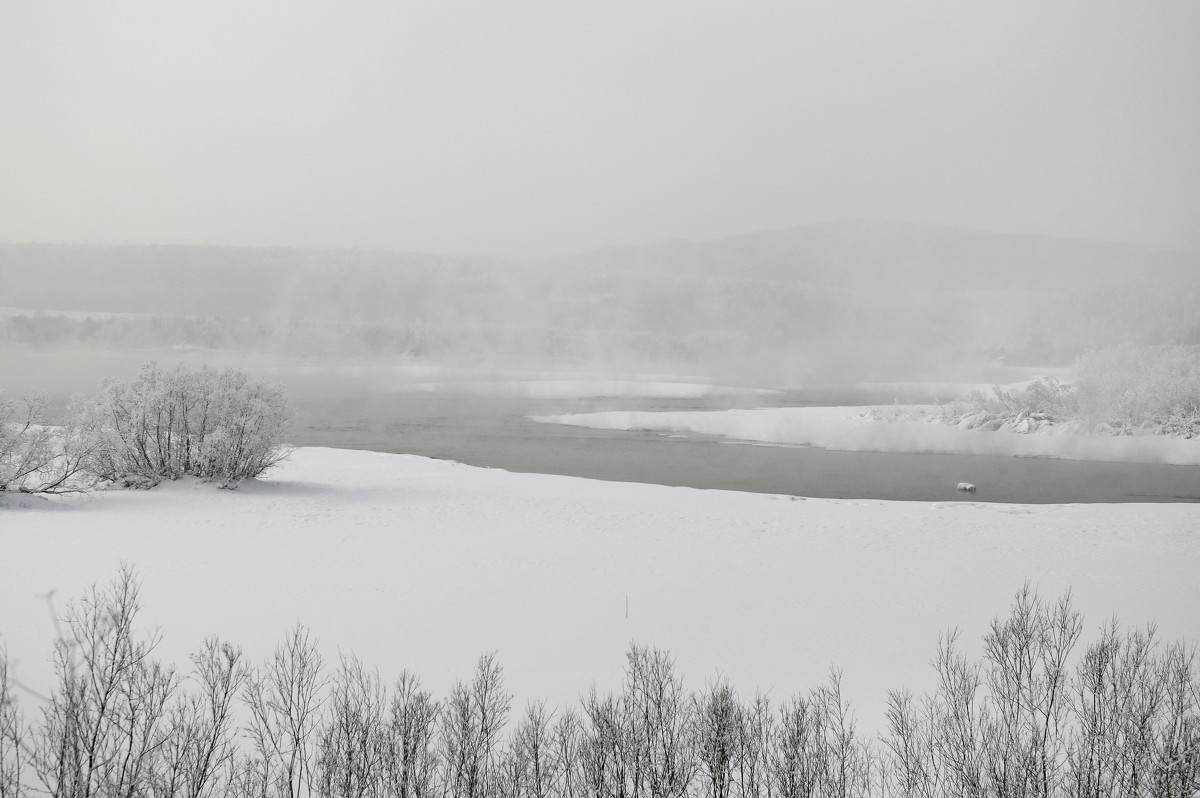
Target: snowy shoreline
416, 563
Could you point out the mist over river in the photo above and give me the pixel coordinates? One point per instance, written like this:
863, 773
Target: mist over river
482, 417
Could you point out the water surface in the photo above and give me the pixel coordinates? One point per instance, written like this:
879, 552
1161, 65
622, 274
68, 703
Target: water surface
497, 432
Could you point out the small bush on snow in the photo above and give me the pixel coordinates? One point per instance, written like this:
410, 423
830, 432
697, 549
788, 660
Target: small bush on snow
217, 425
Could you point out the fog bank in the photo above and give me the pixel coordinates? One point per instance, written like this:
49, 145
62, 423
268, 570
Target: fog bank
850, 301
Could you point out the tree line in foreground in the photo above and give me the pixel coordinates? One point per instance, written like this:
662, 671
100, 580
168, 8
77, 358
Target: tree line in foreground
218, 425
1034, 717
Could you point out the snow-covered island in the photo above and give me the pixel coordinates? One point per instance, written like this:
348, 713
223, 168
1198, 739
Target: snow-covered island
1130, 404
891, 428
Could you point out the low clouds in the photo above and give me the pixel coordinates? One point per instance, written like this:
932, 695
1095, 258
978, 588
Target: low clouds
536, 128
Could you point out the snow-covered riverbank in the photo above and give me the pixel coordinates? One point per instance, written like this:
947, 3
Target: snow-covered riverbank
423, 564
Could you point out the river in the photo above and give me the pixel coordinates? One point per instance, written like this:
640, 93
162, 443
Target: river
497, 432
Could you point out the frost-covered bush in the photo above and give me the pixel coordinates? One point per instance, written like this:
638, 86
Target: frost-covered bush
1043, 397
1136, 387
1132, 389
35, 457
24, 449
1045, 402
218, 425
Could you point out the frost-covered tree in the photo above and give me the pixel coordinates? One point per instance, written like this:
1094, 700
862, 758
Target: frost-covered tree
36, 457
218, 425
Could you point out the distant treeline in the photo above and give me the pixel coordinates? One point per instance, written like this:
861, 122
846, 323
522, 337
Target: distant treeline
821, 302
1033, 717
304, 339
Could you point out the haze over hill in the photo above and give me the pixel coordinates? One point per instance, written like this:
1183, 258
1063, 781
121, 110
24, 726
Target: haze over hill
856, 300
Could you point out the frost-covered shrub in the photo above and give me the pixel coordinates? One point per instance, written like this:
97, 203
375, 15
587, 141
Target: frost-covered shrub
35, 457
1045, 402
1046, 397
1123, 390
1154, 388
24, 448
218, 425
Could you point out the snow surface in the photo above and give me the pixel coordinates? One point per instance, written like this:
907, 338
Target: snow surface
425, 564
860, 429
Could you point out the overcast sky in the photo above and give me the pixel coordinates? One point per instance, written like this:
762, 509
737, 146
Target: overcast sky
534, 128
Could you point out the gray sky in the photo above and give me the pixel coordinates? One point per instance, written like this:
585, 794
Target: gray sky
532, 128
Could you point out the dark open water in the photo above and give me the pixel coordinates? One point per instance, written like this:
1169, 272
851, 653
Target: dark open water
497, 433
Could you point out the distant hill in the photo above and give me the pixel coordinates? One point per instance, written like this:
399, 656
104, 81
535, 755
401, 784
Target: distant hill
870, 299
908, 254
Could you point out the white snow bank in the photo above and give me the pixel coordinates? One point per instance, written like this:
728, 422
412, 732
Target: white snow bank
424, 564
860, 429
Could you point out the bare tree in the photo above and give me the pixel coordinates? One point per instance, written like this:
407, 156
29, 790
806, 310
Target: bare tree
659, 736
12, 737
248, 777
718, 739
817, 751
912, 746
796, 762
529, 767
1122, 720
105, 724
1026, 671
471, 722
353, 742
566, 749
958, 721
1176, 741
198, 755
1138, 721
605, 748
284, 699
847, 761
758, 732
411, 756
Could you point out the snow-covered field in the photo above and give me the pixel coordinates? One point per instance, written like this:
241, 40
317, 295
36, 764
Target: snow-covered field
424, 564
886, 429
